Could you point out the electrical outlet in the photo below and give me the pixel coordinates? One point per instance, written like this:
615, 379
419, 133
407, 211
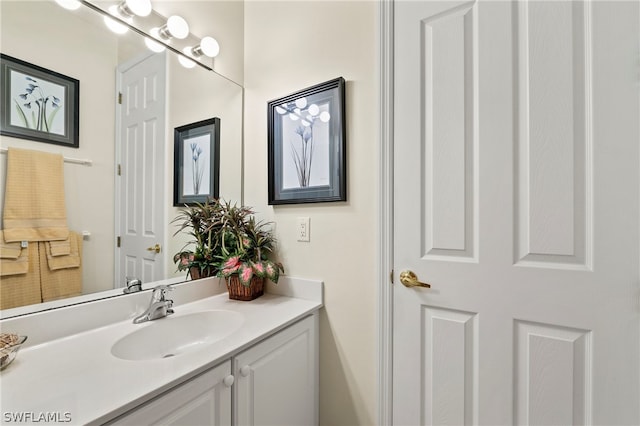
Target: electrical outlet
303, 233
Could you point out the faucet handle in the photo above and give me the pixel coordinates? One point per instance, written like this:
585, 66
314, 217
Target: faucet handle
159, 292
133, 285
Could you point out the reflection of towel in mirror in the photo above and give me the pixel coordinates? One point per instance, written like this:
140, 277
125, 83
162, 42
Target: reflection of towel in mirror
61, 276
56, 259
13, 259
34, 204
59, 248
23, 288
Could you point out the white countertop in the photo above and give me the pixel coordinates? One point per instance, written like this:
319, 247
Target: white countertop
77, 374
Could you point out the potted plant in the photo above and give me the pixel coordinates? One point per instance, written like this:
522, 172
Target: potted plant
245, 246
229, 243
202, 222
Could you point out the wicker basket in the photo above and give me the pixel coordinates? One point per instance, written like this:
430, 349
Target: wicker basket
237, 291
196, 274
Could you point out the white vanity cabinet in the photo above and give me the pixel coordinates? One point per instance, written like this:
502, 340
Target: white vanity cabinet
274, 382
277, 379
203, 400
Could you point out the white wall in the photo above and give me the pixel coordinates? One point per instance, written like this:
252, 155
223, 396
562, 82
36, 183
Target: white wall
290, 46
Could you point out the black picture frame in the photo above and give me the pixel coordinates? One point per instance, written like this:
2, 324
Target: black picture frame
306, 136
38, 104
194, 180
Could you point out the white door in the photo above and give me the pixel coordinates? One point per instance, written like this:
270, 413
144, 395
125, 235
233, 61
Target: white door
516, 185
140, 153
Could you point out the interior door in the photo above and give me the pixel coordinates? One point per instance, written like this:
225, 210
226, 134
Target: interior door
516, 183
140, 182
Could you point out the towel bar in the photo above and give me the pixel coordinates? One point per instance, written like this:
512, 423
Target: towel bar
82, 161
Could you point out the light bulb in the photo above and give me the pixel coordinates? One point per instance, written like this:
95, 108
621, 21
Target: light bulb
69, 4
112, 24
186, 62
137, 7
176, 27
208, 46
152, 44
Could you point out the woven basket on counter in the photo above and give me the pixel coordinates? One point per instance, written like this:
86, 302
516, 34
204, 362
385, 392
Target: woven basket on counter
237, 291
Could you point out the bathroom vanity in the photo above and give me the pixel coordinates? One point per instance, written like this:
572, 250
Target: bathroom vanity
215, 361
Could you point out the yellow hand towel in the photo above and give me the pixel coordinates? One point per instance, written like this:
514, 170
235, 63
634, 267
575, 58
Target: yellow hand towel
72, 260
22, 289
60, 248
34, 205
13, 259
58, 278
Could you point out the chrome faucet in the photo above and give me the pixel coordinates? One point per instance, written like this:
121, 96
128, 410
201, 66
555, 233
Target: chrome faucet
159, 307
133, 285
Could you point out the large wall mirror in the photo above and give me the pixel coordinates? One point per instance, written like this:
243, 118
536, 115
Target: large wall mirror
100, 203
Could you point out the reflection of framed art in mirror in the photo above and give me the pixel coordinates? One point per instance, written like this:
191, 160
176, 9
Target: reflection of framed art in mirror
38, 104
196, 162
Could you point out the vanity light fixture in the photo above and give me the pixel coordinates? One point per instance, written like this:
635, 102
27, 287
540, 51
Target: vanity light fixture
176, 27
69, 4
208, 46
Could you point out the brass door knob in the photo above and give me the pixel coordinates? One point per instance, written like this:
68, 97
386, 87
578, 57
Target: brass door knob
155, 248
409, 279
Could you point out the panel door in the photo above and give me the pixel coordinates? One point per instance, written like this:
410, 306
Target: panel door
277, 379
141, 181
516, 197
204, 400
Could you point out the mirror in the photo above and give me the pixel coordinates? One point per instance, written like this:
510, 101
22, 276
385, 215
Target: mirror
79, 45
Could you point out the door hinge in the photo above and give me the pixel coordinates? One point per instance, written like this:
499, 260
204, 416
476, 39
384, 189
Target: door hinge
118, 241
120, 98
391, 276
119, 170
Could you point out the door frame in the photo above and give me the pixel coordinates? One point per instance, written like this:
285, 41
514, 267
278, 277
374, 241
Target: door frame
384, 315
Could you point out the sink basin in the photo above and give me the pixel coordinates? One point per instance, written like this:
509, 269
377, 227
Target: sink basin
176, 335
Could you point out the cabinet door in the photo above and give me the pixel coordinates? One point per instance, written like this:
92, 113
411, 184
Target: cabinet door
204, 400
277, 379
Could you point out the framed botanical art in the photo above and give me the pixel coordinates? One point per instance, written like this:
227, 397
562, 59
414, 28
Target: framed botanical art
38, 104
196, 162
307, 145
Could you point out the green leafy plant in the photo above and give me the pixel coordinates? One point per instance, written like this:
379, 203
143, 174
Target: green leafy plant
246, 245
227, 241
203, 223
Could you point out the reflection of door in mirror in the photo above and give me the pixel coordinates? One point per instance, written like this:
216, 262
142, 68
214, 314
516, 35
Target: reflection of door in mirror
140, 153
